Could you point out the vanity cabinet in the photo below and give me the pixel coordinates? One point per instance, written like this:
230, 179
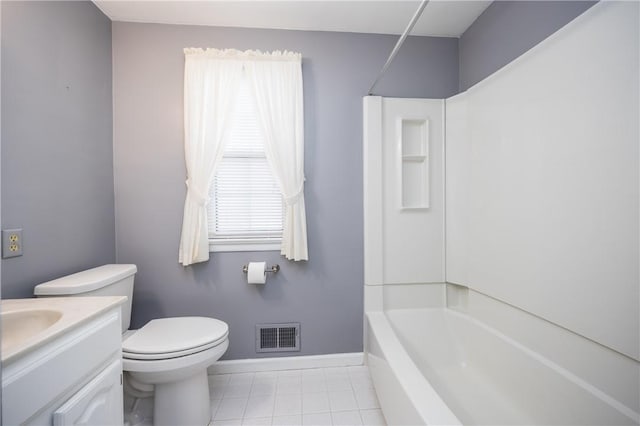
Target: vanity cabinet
75, 378
99, 402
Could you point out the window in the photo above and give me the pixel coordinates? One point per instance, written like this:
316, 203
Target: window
246, 208
212, 78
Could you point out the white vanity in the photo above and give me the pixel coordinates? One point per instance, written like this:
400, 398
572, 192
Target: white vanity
61, 361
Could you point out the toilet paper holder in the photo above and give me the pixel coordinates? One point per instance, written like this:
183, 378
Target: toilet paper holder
275, 268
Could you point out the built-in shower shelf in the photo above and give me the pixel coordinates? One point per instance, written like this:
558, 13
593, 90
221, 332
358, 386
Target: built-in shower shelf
414, 163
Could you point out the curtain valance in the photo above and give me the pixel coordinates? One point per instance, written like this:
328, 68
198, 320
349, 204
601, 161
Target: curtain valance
233, 54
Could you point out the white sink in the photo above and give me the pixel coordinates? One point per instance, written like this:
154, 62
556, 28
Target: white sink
21, 325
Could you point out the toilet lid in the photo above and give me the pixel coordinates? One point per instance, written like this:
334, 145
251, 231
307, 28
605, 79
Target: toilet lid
171, 337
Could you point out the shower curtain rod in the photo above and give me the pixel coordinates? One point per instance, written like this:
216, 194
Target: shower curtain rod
399, 43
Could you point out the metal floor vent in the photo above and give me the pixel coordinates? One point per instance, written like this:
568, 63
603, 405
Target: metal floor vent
278, 337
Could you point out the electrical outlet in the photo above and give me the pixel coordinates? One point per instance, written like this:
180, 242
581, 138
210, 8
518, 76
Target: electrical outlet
11, 243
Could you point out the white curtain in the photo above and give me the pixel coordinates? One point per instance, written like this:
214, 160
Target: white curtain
276, 82
210, 86
211, 80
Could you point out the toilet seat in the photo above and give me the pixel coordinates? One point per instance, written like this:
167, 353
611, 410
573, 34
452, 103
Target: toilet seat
169, 355
168, 338
168, 370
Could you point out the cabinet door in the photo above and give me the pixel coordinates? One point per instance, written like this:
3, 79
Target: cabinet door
97, 403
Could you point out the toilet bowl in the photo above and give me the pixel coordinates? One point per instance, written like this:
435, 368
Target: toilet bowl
167, 358
173, 354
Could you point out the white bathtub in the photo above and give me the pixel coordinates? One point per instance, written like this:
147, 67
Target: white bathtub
439, 366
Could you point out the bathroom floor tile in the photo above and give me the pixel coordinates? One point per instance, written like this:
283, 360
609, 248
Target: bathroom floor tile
361, 383
372, 418
287, 405
287, 386
237, 390
346, 418
142, 415
261, 375
366, 398
264, 421
338, 383
219, 379
315, 402
241, 378
316, 397
342, 401
215, 403
263, 387
265, 379
317, 419
358, 370
231, 409
313, 373
287, 420
313, 384
336, 371
260, 406
290, 374
217, 391
360, 377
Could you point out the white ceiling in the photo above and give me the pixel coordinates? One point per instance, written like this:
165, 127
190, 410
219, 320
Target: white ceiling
442, 18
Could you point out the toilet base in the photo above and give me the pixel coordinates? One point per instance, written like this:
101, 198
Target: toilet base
185, 402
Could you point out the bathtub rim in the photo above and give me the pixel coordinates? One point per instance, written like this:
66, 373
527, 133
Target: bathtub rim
578, 381
415, 386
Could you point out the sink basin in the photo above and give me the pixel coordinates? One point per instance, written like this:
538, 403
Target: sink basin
29, 324
21, 325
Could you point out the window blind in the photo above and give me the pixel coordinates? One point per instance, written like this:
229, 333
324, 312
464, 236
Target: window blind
245, 201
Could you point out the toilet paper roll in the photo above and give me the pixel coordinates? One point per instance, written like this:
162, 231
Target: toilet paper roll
256, 273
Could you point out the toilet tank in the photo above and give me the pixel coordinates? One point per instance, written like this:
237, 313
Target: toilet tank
106, 280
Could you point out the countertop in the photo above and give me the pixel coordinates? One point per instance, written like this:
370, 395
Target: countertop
75, 312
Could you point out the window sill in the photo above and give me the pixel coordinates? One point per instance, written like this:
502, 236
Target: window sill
244, 244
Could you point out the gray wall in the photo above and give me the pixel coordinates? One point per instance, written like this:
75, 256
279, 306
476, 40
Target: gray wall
507, 29
57, 169
324, 294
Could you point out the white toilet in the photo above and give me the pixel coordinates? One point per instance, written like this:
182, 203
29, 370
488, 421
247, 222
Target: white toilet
168, 356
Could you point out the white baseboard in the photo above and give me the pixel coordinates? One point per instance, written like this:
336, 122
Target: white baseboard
286, 363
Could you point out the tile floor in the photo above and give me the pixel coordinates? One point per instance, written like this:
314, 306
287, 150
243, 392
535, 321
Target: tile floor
322, 396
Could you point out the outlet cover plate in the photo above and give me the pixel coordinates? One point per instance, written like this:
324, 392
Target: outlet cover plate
11, 243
